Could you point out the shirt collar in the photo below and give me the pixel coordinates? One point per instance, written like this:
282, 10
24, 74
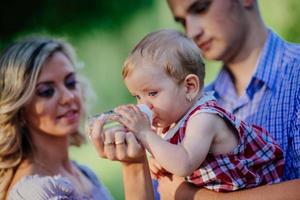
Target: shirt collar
270, 60
223, 85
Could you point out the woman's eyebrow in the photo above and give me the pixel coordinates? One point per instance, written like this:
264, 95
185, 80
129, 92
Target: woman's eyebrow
51, 82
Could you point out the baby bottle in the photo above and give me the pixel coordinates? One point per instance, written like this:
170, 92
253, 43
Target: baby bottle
110, 123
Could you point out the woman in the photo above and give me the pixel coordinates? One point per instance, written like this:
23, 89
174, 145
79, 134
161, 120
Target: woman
40, 111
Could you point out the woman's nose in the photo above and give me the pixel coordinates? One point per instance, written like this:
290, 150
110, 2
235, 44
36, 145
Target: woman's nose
66, 96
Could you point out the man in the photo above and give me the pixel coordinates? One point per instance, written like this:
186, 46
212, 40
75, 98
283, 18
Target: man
259, 82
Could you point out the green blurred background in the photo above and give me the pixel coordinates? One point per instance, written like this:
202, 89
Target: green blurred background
103, 32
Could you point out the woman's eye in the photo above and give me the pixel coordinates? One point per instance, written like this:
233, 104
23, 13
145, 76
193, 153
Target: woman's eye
137, 97
45, 92
151, 94
71, 83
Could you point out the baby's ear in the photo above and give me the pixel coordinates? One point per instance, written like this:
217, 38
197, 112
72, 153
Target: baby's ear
192, 85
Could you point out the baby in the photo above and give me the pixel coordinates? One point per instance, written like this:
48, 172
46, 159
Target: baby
190, 134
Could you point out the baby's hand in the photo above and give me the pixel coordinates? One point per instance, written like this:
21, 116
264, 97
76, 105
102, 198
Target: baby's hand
156, 169
133, 119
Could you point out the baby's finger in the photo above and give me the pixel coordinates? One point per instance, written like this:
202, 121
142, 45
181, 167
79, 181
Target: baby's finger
153, 170
126, 111
134, 108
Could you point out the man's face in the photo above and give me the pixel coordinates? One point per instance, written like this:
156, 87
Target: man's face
217, 26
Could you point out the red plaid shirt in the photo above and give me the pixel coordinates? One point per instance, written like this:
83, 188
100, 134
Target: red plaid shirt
257, 160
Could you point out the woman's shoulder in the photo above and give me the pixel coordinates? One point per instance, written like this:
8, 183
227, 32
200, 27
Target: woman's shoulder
42, 187
100, 189
88, 173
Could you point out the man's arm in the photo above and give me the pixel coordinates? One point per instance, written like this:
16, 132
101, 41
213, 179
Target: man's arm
289, 190
137, 181
178, 189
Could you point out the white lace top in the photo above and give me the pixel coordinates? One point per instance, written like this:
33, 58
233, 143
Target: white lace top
36, 187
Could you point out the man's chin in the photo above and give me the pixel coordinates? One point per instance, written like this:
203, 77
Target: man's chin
211, 56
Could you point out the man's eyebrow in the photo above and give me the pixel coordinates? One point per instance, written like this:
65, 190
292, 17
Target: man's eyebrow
195, 5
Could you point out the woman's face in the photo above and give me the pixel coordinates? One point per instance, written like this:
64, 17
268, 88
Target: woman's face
55, 107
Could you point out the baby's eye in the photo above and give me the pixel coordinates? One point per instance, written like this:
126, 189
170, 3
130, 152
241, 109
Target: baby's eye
151, 94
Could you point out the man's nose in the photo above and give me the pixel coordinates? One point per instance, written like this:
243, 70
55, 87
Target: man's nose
194, 28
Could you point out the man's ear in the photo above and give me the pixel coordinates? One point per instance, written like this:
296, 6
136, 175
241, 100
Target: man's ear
192, 85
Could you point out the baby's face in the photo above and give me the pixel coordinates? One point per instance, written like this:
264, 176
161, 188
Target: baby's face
161, 93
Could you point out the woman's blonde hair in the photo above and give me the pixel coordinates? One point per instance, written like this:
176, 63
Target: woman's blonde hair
20, 66
170, 49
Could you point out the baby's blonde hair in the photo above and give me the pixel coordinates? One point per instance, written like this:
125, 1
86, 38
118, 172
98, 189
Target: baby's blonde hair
170, 49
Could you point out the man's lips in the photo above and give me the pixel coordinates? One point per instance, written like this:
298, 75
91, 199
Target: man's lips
205, 46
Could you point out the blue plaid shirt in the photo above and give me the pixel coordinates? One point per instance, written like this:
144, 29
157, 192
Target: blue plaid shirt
272, 98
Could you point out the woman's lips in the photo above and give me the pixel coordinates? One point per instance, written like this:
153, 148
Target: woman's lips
70, 116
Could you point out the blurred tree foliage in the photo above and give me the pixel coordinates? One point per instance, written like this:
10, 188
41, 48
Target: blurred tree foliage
293, 30
56, 16
283, 17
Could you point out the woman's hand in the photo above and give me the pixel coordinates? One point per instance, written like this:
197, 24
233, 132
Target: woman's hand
116, 143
